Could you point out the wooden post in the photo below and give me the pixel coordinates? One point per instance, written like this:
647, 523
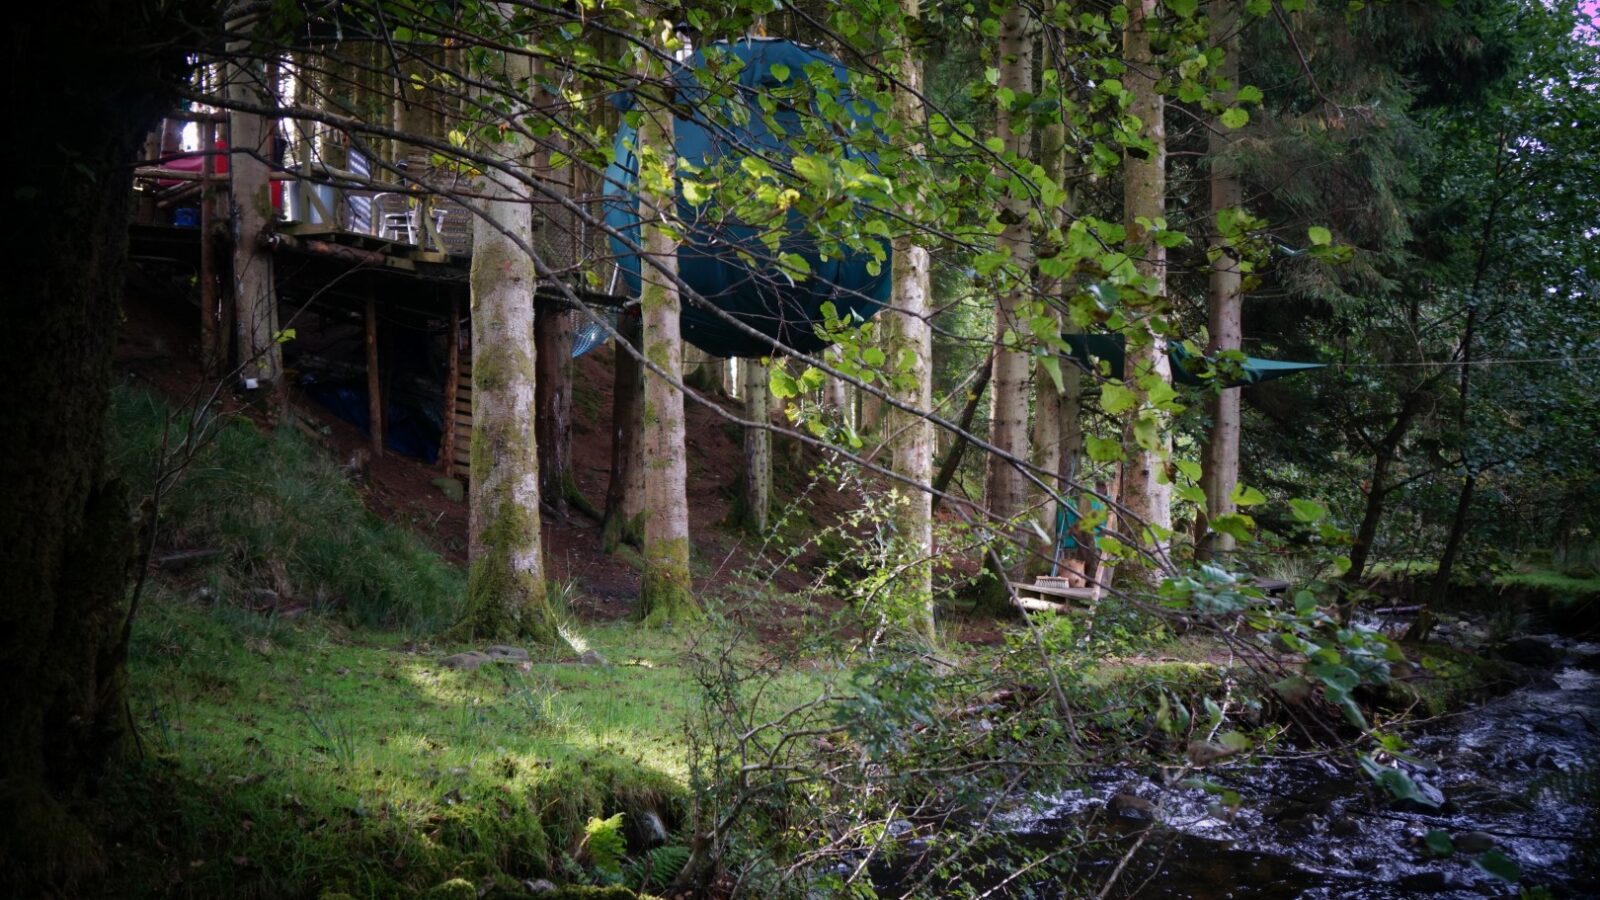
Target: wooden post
374, 383
452, 385
212, 352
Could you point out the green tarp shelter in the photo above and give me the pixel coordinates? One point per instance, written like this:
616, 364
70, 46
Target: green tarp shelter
1112, 348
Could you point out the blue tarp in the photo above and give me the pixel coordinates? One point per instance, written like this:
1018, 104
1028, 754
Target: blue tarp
762, 298
1111, 348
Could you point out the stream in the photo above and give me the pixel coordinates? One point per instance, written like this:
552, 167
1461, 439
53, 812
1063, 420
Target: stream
1519, 774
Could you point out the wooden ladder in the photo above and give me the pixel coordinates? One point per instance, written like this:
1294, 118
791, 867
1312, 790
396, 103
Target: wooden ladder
461, 449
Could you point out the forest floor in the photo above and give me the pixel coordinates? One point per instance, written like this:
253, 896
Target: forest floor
301, 734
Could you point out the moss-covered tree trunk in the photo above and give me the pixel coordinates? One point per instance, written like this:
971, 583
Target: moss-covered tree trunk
505, 578
667, 592
909, 337
1146, 492
65, 533
757, 498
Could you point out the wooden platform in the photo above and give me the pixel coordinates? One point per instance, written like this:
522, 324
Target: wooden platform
1037, 597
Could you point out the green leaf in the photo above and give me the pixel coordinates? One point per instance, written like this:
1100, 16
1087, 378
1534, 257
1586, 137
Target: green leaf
1320, 236
1307, 511
779, 71
1293, 689
1249, 94
782, 385
1239, 525
1235, 117
1116, 399
1438, 842
695, 192
1247, 496
1499, 865
1103, 449
1052, 364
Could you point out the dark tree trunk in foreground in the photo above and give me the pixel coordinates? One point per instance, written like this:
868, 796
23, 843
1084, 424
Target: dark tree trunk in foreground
86, 80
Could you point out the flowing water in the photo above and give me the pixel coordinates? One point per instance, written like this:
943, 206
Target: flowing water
1520, 775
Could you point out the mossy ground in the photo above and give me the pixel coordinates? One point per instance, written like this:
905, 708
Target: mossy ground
284, 758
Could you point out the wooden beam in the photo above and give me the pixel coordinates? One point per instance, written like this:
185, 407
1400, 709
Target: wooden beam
374, 383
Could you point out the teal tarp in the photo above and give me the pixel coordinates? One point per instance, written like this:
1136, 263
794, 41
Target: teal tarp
1112, 349
761, 296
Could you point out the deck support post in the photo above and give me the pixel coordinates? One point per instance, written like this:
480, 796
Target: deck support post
452, 386
212, 349
374, 382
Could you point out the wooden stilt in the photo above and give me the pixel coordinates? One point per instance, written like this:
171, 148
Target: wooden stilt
374, 382
212, 351
452, 384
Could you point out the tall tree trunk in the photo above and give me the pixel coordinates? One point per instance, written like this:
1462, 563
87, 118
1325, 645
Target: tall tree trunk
909, 335
1005, 487
1458, 523
505, 579
958, 445
1146, 493
1224, 305
624, 519
1049, 381
65, 536
757, 446
250, 139
552, 326
836, 393
1384, 457
667, 592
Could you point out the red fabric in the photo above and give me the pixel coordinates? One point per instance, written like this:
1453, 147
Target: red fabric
196, 162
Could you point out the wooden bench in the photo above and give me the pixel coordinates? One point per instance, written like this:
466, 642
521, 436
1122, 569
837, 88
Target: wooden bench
1036, 597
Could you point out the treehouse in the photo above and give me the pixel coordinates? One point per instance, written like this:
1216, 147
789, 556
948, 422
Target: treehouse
737, 283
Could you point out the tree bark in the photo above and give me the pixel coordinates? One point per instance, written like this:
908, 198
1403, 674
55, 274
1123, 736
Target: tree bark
1049, 398
624, 521
552, 326
505, 580
65, 534
259, 357
757, 497
1005, 487
1147, 439
909, 336
667, 592
1225, 307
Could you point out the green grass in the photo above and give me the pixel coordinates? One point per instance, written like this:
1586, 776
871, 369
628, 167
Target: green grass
1553, 583
287, 758
286, 518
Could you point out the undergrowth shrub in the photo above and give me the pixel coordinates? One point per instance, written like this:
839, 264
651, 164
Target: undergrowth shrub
284, 516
